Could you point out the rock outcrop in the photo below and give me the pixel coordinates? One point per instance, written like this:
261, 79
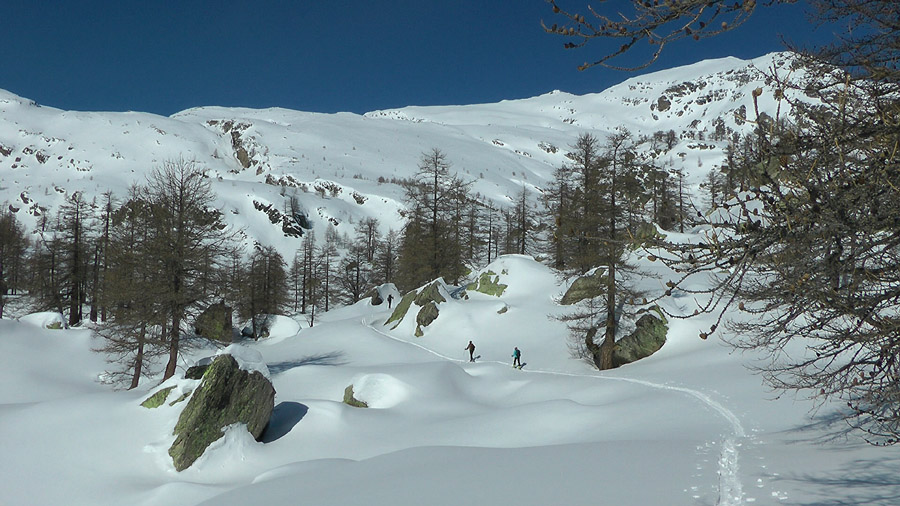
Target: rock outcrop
428, 299
350, 400
215, 323
648, 337
226, 395
585, 287
488, 283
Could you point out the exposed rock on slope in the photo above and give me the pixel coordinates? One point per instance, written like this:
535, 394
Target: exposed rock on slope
226, 395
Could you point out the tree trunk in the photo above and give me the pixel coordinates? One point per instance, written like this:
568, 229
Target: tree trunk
609, 342
139, 359
173, 346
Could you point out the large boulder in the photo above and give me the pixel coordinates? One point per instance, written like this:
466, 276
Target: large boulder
586, 287
401, 309
226, 395
374, 296
215, 323
648, 337
488, 283
428, 299
425, 316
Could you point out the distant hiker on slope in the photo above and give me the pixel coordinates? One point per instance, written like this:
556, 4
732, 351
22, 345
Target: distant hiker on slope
517, 355
390, 299
471, 348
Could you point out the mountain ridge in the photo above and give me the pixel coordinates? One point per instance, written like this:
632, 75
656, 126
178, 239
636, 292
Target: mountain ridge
341, 166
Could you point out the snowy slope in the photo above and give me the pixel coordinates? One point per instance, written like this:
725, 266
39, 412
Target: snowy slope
340, 166
687, 426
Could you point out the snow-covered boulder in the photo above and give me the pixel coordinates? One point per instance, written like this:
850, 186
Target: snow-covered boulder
46, 319
380, 293
271, 326
228, 394
377, 390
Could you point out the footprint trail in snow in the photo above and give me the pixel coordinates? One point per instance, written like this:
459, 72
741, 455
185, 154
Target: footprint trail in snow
730, 488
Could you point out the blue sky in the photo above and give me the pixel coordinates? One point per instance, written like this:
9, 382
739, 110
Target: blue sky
323, 56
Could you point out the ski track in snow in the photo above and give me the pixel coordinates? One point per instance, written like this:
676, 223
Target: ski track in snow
730, 489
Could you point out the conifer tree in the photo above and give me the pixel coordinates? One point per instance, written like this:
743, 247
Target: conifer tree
386, 257
134, 332
601, 217
809, 243
13, 248
430, 245
265, 288
189, 239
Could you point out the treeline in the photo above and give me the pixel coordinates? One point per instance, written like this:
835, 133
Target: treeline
146, 264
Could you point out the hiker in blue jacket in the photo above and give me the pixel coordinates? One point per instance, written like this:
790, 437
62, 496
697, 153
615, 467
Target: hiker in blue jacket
516, 356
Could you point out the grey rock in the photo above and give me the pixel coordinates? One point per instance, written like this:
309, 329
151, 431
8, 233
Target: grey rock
226, 395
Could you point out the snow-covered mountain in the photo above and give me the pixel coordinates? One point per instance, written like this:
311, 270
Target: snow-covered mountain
341, 165
689, 425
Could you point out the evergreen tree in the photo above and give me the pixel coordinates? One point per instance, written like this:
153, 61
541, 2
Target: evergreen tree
134, 332
13, 248
810, 243
295, 281
523, 217
189, 239
327, 260
357, 274
307, 260
601, 212
386, 257
265, 288
430, 245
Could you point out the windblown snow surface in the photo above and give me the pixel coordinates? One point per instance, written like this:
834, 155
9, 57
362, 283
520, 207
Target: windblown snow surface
690, 425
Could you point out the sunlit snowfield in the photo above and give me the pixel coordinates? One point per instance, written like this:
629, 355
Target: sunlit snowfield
689, 425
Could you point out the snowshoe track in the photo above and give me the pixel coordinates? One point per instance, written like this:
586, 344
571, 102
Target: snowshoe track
729, 483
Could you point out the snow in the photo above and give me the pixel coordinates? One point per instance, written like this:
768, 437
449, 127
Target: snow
689, 425
45, 319
248, 359
500, 147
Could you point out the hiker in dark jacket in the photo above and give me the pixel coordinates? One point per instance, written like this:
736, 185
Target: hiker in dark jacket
471, 348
